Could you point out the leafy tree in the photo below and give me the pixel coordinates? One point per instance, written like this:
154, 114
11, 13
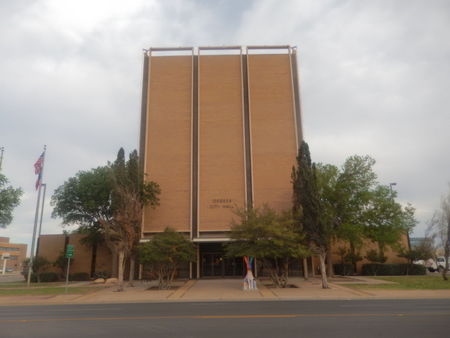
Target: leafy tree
61, 263
270, 237
386, 221
439, 230
375, 257
165, 252
9, 199
40, 264
327, 180
112, 198
353, 193
84, 200
130, 193
312, 212
423, 251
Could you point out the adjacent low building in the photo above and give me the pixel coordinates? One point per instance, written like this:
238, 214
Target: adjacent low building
12, 255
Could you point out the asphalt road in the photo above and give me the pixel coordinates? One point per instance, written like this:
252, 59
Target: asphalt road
351, 318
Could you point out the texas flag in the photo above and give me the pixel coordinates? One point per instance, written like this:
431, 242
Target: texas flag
38, 168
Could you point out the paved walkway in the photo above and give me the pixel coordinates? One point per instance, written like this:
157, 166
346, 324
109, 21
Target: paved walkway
227, 290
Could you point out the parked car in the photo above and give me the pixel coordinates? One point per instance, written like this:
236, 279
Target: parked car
440, 262
429, 264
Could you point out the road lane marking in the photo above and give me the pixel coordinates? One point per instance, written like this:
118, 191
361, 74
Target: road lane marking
227, 317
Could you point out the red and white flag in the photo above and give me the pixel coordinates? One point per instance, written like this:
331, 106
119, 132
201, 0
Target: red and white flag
38, 168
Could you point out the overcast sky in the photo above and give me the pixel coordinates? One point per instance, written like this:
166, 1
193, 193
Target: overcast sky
375, 79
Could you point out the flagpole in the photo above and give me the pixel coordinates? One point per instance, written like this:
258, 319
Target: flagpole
40, 220
36, 216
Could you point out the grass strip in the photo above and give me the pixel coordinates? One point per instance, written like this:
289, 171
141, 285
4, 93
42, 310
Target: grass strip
406, 283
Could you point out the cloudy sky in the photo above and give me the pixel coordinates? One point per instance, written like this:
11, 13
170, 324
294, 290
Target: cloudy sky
375, 79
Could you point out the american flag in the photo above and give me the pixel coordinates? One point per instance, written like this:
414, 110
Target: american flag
38, 166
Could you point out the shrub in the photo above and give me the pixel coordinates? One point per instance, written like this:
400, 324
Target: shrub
79, 276
102, 274
343, 269
393, 269
47, 277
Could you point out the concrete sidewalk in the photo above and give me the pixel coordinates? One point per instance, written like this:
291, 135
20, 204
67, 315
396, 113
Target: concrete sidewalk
225, 290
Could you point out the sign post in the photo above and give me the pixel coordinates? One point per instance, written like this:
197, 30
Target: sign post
69, 255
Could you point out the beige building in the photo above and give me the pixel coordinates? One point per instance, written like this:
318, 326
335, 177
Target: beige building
220, 129
11, 255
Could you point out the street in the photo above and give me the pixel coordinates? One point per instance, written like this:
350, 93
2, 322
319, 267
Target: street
348, 318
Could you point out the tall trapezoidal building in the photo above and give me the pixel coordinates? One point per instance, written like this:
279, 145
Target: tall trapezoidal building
220, 129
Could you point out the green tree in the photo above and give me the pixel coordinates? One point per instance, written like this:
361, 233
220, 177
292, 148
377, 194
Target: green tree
84, 200
9, 199
386, 221
130, 193
376, 257
113, 197
356, 179
271, 237
312, 214
61, 264
40, 264
327, 188
165, 252
422, 251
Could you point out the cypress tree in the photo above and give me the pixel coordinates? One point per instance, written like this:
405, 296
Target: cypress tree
306, 204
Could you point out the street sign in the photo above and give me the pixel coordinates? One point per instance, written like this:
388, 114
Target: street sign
69, 251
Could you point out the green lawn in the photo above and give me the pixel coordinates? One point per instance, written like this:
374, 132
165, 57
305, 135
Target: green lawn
406, 283
46, 291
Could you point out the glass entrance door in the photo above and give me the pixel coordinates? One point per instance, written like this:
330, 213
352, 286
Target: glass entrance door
212, 265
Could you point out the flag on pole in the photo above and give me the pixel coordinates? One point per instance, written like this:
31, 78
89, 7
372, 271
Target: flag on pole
38, 168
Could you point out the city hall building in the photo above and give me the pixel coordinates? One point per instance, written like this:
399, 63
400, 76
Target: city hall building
220, 129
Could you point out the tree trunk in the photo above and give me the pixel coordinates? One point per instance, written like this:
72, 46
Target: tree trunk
305, 268
120, 265
446, 253
132, 265
353, 253
323, 270
114, 264
93, 258
329, 264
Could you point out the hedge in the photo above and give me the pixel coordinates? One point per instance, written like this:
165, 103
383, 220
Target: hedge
398, 269
79, 276
344, 269
48, 277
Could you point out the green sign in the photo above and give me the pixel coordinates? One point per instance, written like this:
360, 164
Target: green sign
69, 251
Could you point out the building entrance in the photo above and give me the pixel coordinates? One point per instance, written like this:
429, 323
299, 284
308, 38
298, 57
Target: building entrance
213, 262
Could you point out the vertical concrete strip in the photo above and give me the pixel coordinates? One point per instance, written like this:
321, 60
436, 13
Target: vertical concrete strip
298, 108
247, 139
143, 130
194, 188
